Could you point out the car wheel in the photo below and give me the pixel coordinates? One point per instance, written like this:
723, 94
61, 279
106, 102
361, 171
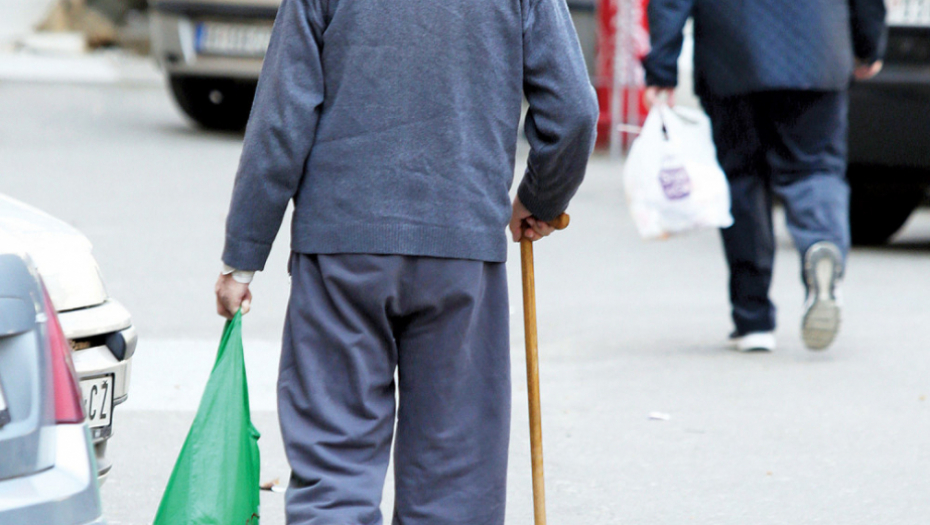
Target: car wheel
878, 210
215, 103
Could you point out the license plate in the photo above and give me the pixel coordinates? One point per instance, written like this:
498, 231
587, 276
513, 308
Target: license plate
98, 400
914, 13
238, 40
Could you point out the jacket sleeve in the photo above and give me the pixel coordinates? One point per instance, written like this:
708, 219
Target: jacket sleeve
279, 134
869, 31
561, 121
667, 20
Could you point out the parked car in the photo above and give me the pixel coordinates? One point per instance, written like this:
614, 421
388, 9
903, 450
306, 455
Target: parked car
47, 470
889, 129
98, 329
212, 52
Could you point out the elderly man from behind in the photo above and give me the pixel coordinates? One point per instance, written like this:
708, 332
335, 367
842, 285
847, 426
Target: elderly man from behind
392, 126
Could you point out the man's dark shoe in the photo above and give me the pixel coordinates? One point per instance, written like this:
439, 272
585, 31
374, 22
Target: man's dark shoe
823, 269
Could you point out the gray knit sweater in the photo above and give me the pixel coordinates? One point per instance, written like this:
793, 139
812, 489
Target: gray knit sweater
392, 124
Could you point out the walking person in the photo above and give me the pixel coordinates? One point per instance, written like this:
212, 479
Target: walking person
392, 126
773, 77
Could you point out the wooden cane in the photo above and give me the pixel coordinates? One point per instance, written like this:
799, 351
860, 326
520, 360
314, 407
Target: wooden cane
532, 371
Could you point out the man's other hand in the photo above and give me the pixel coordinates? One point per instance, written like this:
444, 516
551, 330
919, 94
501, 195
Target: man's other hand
654, 93
865, 71
232, 295
524, 225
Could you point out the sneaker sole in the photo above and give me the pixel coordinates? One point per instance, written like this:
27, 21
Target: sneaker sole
754, 343
821, 321
755, 350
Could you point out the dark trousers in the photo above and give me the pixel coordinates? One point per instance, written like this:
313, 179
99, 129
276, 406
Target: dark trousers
789, 144
443, 325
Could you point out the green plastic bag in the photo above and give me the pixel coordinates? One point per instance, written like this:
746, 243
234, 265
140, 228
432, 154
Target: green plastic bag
215, 480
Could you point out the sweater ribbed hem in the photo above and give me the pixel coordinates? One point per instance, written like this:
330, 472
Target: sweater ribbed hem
245, 255
401, 239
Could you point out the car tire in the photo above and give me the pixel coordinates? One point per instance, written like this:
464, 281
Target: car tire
215, 103
878, 210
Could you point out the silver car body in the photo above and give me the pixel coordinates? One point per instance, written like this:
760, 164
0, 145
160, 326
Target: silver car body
183, 45
97, 326
47, 470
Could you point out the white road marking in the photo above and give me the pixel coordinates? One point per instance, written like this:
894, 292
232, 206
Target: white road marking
170, 374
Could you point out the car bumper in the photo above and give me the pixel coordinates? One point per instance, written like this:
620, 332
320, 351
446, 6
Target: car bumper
106, 341
66, 493
887, 120
173, 26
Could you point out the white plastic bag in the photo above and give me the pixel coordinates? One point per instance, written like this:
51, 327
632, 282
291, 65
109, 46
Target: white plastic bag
672, 179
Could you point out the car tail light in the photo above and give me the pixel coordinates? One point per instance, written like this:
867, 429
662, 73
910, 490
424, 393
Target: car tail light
68, 398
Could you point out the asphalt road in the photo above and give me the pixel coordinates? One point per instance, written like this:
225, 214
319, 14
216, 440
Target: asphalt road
627, 328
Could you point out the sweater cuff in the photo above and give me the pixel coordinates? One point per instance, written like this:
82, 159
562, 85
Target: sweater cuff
543, 211
245, 255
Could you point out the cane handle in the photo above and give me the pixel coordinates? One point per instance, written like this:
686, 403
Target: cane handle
560, 222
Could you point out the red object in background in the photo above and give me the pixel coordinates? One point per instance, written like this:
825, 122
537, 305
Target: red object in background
636, 50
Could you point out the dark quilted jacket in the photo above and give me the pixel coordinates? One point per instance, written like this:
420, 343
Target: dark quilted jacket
744, 46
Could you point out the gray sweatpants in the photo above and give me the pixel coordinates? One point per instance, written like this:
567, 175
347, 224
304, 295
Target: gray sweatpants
443, 324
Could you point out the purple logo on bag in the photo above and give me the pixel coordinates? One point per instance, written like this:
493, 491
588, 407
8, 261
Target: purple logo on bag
675, 182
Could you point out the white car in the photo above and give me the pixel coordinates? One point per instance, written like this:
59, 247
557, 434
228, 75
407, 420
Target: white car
98, 328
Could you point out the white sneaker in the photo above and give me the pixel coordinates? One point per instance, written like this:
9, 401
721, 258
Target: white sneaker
753, 342
822, 271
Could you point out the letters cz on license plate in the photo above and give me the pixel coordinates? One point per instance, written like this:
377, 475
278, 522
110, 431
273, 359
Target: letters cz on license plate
98, 400
238, 40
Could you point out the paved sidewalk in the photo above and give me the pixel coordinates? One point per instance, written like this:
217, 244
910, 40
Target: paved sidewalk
627, 328
630, 328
